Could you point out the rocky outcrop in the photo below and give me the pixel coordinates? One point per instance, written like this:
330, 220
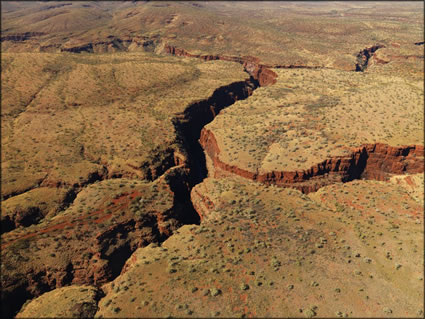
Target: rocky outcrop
201, 203
252, 65
384, 160
261, 73
78, 49
22, 217
370, 161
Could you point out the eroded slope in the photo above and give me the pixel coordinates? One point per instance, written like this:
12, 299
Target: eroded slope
88, 118
103, 111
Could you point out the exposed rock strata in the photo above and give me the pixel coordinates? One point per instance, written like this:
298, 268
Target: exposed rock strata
188, 124
113, 45
113, 246
370, 161
109, 44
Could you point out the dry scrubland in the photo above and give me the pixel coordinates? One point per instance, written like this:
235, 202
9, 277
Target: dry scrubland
348, 250
94, 116
78, 128
311, 115
316, 34
98, 215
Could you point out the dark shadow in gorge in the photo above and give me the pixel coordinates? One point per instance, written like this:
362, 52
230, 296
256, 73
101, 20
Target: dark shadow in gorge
189, 124
364, 56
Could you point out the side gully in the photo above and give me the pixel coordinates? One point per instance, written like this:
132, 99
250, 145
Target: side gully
364, 56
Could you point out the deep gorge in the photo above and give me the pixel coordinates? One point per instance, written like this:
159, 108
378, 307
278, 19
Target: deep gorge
187, 167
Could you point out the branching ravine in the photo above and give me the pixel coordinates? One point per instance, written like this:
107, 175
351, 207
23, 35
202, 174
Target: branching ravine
187, 169
189, 161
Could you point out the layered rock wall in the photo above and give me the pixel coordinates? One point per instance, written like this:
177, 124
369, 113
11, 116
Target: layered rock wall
370, 161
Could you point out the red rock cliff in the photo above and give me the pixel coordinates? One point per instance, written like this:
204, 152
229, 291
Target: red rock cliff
371, 161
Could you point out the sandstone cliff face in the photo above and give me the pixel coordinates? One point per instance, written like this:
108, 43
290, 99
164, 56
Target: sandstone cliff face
370, 161
384, 160
188, 124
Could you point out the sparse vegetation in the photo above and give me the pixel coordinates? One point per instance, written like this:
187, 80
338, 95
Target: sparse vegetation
104, 182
